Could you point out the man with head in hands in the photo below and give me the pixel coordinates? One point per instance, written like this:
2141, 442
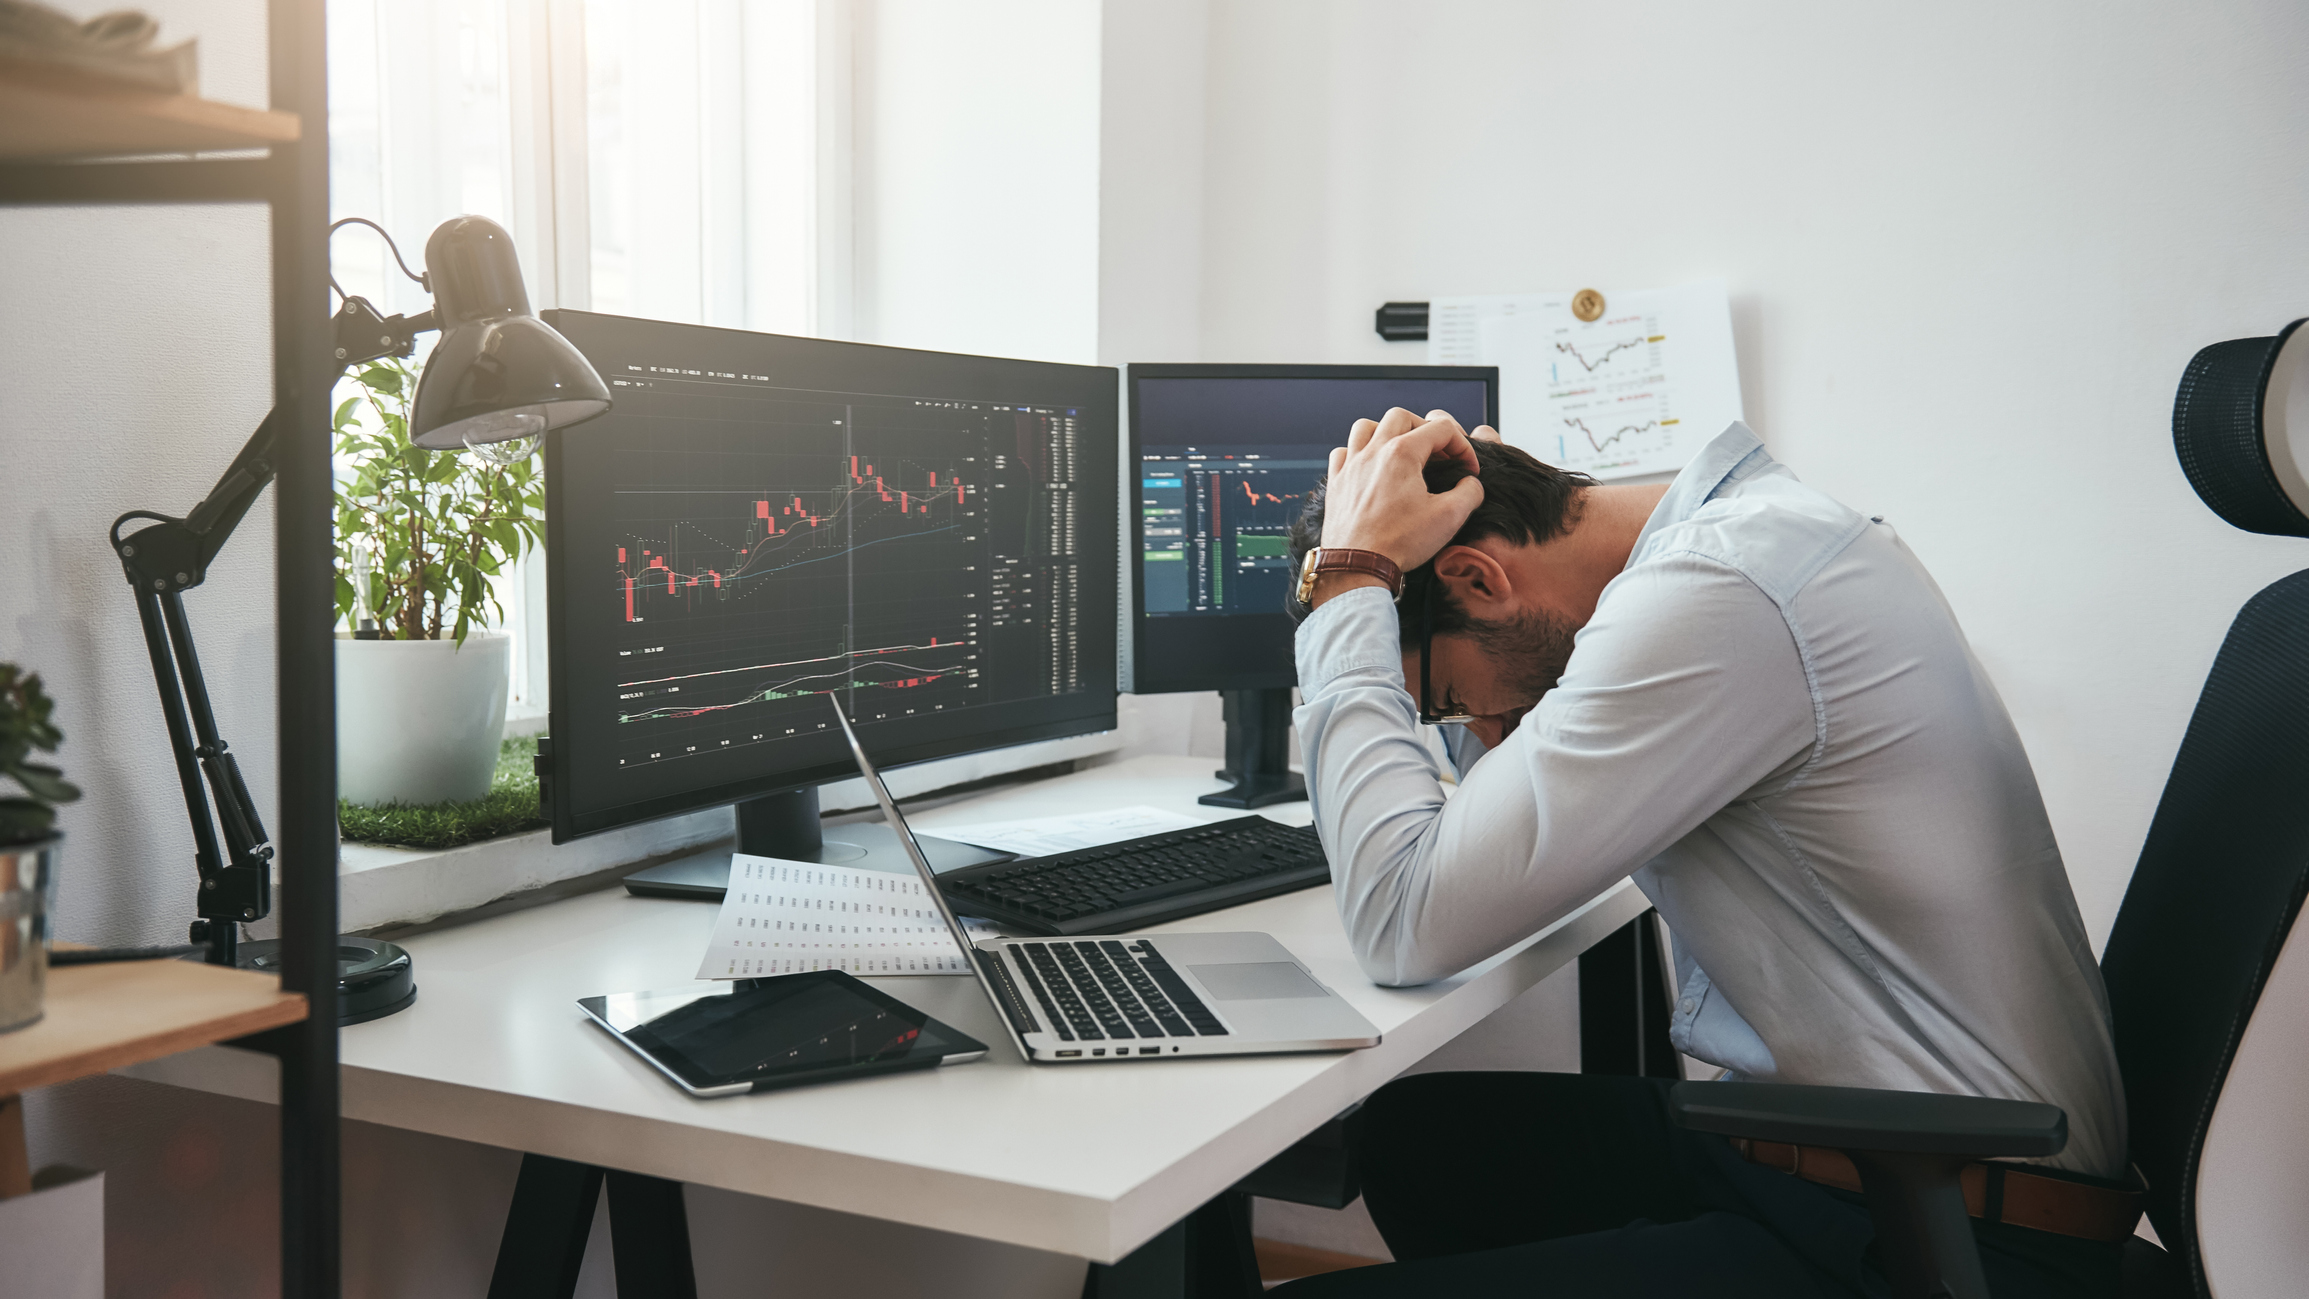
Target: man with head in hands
1755, 702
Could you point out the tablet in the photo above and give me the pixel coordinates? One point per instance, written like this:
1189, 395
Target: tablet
750, 1035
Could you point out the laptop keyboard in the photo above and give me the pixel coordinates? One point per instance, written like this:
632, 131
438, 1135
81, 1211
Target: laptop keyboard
1143, 881
1101, 991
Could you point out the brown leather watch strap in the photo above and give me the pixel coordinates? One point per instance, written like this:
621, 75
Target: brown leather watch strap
1332, 559
1998, 1192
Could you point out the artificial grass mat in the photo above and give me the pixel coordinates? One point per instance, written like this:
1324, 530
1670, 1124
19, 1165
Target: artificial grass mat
509, 808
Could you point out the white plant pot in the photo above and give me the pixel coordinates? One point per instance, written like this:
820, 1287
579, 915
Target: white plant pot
419, 721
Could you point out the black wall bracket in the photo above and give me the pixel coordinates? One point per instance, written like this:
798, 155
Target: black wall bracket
1402, 322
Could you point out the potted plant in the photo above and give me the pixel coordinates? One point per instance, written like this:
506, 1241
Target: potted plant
421, 682
28, 842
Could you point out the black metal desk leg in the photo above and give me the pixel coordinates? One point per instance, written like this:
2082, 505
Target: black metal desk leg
649, 1233
1155, 1270
545, 1230
1208, 1255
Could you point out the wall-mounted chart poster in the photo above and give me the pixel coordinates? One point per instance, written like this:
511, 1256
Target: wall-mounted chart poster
1610, 382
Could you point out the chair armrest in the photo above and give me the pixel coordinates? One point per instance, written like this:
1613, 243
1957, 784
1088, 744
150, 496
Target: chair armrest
1860, 1118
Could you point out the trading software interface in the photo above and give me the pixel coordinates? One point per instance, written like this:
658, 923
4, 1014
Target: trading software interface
1216, 510
742, 547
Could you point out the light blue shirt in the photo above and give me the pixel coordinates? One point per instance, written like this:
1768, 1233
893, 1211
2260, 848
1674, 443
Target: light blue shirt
1774, 724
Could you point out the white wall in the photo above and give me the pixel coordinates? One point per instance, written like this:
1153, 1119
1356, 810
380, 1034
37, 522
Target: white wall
135, 358
976, 131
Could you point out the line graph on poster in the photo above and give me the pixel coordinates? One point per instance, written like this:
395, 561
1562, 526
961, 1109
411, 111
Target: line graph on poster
1638, 389
1603, 442
1609, 351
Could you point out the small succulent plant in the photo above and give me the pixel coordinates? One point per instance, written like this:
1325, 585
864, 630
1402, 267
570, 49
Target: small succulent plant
25, 729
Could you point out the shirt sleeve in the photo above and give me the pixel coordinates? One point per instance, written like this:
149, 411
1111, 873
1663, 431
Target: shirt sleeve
1684, 692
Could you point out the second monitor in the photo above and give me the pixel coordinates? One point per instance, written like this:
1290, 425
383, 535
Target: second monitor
1222, 458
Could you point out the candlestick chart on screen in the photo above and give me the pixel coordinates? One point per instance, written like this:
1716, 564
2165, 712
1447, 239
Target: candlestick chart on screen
902, 556
1217, 528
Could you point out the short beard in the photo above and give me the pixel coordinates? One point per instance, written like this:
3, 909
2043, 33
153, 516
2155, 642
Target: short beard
1530, 650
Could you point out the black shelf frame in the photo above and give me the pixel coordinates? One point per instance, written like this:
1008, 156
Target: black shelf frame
292, 182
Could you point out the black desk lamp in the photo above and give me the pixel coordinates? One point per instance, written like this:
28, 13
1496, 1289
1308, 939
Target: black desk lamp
497, 381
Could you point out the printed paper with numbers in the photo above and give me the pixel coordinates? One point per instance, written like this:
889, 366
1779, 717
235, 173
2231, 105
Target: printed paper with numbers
784, 917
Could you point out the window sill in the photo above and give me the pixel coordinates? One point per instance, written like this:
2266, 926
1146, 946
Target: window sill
381, 887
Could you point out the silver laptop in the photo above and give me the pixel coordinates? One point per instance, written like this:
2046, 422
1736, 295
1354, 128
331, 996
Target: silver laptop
1140, 997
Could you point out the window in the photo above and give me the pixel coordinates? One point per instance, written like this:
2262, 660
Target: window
652, 159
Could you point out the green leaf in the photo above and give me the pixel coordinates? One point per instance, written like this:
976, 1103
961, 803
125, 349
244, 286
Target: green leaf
382, 378
46, 782
22, 820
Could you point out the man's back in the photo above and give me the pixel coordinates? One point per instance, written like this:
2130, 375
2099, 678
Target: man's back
1923, 934
1773, 713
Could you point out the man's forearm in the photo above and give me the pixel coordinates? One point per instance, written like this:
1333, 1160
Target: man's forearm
1379, 801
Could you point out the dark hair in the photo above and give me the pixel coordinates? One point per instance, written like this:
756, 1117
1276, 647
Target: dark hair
1525, 502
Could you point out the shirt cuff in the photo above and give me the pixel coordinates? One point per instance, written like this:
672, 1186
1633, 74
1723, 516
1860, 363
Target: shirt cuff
1352, 631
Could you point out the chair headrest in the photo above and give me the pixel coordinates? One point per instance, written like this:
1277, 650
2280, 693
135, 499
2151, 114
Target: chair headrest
2241, 428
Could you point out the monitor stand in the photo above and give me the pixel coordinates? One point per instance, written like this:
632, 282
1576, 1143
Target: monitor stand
786, 826
1258, 751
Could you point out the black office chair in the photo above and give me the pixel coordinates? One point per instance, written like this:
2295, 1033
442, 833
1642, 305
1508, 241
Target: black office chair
2211, 903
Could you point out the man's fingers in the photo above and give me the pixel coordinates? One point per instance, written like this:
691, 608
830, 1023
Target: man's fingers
1436, 439
1359, 436
1485, 433
1465, 495
1396, 422
1454, 445
1339, 455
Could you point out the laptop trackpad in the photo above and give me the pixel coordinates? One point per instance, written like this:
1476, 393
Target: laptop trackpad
1256, 981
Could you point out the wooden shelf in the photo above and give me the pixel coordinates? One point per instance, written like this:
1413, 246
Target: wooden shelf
51, 116
103, 1017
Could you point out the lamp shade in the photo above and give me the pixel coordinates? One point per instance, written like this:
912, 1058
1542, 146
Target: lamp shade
498, 373
2241, 428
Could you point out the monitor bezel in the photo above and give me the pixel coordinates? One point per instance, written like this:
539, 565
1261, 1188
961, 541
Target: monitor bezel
569, 823
1149, 666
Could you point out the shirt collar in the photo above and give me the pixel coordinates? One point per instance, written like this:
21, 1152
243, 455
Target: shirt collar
1706, 472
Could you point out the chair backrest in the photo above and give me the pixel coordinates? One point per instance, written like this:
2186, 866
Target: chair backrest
2220, 881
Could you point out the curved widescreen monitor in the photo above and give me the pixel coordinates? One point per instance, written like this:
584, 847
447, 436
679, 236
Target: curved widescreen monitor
761, 520
1221, 459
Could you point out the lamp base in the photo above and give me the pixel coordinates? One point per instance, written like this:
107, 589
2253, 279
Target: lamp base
374, 977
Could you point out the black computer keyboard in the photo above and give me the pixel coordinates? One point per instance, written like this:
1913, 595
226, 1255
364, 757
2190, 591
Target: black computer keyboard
1121, 886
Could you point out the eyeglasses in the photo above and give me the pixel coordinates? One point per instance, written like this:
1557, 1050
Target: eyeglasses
1427, 710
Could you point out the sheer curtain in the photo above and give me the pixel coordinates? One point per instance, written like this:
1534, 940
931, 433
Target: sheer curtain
653, 158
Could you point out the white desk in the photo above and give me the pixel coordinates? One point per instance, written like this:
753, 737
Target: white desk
1086, 1160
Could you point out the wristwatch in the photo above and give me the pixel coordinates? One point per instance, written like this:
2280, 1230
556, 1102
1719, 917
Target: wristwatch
1331, 559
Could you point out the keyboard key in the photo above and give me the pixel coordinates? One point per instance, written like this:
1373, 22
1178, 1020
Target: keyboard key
1172, 888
